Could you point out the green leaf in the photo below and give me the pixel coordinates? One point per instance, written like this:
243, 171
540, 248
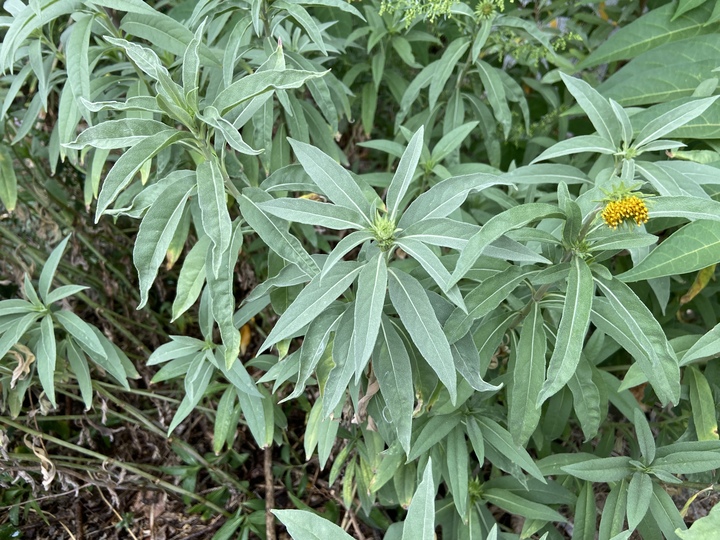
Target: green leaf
693, 247
334, 181
28, 19
343, 247
46, 356
440, 75
81, 331
708, 346
156, 232
687, 462
312, 300
639, 494
499, 438
451, 141
468, 364
304, 525
671, 120
77, 63
49, 269
690, 208
63, 292
418, 317
458, 472
164, 32
191, 62
612, 469
129, 164
311, 212
191, 278
528, 374
230, 133
597, 108
196, 382
665, 513
577, 145
420, 519
394, 374
571, 332
79, 365
121, 133
369, 301
223, 418
636, 329
215, 216
584, 525
586, 398
447, 196
8, 180
304, 19
613, 514
404, 174
703, 528
274, 231
514, 218
662, 75
220, 286
496, 94
259, 83
314, 345
647, 32
432, 265
646, 439
521, 506
432, 433
702, 404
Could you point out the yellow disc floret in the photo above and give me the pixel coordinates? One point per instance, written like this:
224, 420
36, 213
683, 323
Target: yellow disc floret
619, 211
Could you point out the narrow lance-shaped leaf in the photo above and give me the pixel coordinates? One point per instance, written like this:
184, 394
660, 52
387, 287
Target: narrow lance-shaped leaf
314, 345
404, 173
304, 525
571, 332
191, 278
334, 181
129, 164
527, 377
258, 83
311, 301
274, 231
394, 374
703, 405
48, 271
215, 216
220, 285
330, 216
646, 332
46, 357
665, 123
496, 226
369, 301
120, 133
693, 247
577, 145
156, 232
8, 180
597, 108
418, 317
420, 519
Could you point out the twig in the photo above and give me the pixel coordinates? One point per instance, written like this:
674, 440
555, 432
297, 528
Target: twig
117, 515
269, 494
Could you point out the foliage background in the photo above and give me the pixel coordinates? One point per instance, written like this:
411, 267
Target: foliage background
472, 171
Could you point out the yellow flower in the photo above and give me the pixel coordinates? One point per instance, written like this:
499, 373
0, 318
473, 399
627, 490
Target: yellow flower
619, 211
